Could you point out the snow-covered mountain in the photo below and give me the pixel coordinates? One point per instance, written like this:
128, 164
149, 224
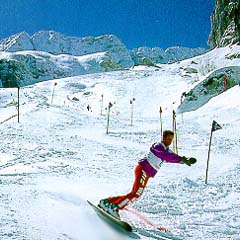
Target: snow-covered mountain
57, 43
107, 53
152, 56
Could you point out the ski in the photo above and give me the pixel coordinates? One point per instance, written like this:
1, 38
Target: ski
114, 222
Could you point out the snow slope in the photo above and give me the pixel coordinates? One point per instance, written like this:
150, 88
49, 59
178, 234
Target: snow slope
59, 155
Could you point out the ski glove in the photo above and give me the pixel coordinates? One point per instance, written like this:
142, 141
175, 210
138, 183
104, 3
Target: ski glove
192, 160
185, 160
188, 161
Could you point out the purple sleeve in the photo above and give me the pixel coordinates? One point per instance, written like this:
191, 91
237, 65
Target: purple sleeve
160, 152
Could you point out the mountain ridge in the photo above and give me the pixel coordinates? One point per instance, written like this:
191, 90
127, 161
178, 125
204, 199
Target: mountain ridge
58, 43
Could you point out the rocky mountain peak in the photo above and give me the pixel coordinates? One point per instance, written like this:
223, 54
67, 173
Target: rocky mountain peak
225, 22
57, 43
17, 42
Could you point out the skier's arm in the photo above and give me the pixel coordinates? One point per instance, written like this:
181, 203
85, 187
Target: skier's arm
172, 157
165, 155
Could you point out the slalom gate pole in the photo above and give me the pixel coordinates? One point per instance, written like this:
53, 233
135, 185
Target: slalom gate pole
173, 131
176, 137
161, 130
101, 104
181, 101
175, 147
225, 82
215, 127
108, 116
131, 103
131, 118
18, 104
208, 159
55, 84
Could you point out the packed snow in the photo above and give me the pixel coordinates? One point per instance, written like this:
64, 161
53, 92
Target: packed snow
59, 155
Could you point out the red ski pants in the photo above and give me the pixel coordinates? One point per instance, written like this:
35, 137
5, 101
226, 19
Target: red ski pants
140, 183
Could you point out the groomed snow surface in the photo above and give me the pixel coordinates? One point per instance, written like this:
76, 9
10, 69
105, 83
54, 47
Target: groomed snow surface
59, 155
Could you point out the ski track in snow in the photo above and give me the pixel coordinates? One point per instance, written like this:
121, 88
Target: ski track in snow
59, 156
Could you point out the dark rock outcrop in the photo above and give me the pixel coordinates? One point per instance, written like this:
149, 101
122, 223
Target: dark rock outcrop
225, 22
212, 86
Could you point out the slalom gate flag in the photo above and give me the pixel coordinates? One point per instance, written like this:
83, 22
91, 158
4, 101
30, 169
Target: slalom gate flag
160, 110
215, 126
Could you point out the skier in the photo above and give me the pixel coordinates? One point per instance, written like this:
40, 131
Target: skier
145, 169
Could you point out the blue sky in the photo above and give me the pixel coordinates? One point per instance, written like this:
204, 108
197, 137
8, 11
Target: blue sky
152, 23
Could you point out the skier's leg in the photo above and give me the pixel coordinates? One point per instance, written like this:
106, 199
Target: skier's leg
140, 183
